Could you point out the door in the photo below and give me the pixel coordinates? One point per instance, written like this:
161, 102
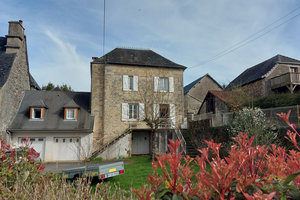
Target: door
38, 144
140, 142
67, 148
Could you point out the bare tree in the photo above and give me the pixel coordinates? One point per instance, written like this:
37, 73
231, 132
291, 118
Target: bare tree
158, 108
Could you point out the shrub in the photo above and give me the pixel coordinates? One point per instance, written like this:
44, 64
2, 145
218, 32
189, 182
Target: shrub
253, 121
277, 100
19, 166
249, 172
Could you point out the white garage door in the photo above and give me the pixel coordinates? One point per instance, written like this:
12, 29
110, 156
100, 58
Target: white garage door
67, 148
140, 143
38, 144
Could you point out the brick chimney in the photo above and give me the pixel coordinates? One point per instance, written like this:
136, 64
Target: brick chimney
15, 37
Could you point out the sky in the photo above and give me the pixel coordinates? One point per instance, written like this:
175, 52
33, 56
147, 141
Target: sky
219, 37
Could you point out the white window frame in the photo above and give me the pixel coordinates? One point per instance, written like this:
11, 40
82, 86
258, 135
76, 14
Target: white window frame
68, 111
33, 113
130, 83
133, 111
163, 84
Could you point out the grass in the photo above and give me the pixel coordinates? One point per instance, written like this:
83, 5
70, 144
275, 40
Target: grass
136, 173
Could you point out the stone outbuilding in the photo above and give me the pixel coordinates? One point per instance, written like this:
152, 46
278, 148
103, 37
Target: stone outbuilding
129, 86
14, 73
279, 74
195, 92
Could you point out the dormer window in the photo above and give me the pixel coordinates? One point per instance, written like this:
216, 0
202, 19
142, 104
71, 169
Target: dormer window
37, 113
71, 113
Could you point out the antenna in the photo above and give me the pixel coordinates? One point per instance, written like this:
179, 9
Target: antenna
103, 27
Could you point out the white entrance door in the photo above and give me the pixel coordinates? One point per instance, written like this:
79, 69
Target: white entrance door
140, 143
38, 144
67, 148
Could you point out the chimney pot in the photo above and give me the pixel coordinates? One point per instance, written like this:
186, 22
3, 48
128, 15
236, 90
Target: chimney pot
21, 22
94, 58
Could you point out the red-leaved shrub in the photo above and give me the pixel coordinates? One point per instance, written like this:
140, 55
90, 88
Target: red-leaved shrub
249, 172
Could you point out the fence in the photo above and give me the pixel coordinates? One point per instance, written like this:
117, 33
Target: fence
221, 119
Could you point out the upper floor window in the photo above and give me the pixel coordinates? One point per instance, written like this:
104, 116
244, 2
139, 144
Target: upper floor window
293, 69
71, 113
163, 84
37, 113
130, 83
133, 111
164, 111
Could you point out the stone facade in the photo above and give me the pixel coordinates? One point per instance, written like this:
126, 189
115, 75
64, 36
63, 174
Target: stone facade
12, 91
108, 96
195, 96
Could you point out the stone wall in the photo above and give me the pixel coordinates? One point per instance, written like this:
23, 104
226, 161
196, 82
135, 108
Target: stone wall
194, 98
12, 91
108, 96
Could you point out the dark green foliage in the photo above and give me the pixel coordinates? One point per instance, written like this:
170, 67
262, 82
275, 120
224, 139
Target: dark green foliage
51, 86
277, 100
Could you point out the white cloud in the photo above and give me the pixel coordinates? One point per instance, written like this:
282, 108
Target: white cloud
63, 64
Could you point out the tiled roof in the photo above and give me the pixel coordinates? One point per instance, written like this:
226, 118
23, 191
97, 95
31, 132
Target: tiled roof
136, 57
222, 95
260, 70
54, 112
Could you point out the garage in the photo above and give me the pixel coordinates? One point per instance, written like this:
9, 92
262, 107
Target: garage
140, 142
37, 143
67, 148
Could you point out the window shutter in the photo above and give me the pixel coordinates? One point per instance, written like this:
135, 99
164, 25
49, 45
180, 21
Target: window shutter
171, 84
135, 83
172, 115
155, 111
125, 83
141, 111
124, 111
156, 80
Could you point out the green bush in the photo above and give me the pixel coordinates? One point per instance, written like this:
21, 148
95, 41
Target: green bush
277, 100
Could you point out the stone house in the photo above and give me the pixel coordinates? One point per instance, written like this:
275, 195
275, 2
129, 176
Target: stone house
214, 109
127, 87
195, 92
278, 74
15, 77
59, 124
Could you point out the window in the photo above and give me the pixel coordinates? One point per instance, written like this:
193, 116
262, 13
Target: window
133, 111
37, 113
71, 113
130, 83
293, 69
164, 111
131, 86
163, 84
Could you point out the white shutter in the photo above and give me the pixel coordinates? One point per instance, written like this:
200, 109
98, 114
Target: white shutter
135, 83
156, 80
141, 111
172, 115
124, 111
171, 84
155, 111
125, 83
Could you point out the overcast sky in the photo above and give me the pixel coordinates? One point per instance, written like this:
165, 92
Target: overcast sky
63, 35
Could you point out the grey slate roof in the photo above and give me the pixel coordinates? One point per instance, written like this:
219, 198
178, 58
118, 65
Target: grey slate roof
258, 71
137, 57
6, 61
33, 83
54, 112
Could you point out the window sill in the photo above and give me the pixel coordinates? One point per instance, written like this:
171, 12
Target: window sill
36, 119
70, 120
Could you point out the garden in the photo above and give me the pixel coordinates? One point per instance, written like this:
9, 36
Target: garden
250, 170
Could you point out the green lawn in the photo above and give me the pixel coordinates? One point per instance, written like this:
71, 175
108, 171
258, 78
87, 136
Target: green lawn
136, 172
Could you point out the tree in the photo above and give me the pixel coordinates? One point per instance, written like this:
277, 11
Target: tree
158, 107
63, 87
